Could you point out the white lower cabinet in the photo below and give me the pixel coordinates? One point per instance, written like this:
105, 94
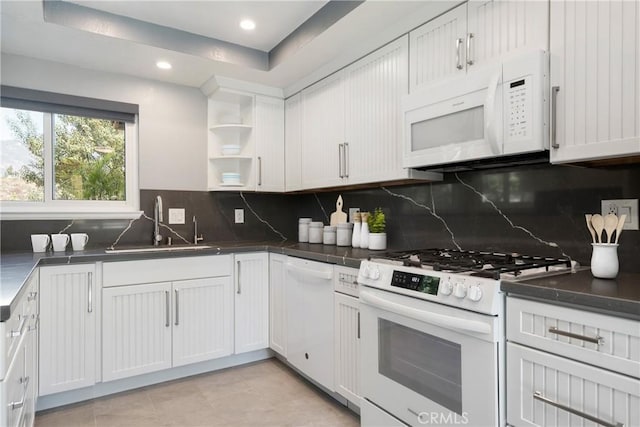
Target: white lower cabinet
347, 347
68, 328
548, 390
277, 304
251, 302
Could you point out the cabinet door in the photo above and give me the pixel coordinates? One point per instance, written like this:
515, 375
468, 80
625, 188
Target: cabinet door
347, 347
322, 133
539, 385
136, 330
277, 301
31, 371
202, 320
594, 55
293, 143
251, 302
498, 27
68, 328
438, 48
374, 87
269, 124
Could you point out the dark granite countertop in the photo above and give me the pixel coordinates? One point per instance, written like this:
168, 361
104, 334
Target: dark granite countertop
620, 296
15, 268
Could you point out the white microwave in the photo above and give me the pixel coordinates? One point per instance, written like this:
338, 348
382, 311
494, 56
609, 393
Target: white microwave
497, 112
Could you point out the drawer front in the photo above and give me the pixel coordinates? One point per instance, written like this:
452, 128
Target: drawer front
14, 388
606, 341
548, 390
165, 270
16, 326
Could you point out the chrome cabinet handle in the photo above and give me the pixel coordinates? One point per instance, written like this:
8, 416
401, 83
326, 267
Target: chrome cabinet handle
459, 65
345, 150
340, 157
469, 59
554, 101
239, 286
259, 171
598, 340
90, 292
177, 322
538, 396
358, 325
20, 404
32, 296
166, 309
18, 332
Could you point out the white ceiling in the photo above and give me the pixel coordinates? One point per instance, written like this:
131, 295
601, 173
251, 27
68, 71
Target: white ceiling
367, 27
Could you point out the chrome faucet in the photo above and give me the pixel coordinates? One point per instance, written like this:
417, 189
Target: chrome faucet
157, 219
196, 239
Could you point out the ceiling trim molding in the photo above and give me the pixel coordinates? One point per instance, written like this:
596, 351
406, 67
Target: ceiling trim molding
122, 27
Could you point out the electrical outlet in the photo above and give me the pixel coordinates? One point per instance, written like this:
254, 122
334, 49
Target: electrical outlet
351, 212
239, 215
176, 215
621, 207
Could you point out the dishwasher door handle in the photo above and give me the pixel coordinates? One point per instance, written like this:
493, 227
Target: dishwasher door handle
308, 272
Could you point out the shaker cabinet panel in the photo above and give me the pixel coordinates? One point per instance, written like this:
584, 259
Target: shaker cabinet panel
293, 143
251, 302
277, 304
269, 135
347, 347
594, 51
68, 328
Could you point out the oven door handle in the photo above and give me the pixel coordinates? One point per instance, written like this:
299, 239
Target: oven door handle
450, 322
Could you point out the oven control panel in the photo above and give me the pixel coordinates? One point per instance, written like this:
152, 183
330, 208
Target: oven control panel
416, 282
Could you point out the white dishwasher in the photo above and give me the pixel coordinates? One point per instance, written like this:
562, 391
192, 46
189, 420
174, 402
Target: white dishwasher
309, 310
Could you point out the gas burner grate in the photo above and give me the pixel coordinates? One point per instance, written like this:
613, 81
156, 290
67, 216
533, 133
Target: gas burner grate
478, 263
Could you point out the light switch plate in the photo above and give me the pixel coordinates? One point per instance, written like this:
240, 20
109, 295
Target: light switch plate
620, 207
239, 215
176, 215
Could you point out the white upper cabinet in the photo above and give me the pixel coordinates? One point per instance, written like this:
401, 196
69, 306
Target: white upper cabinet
595, 49
246, 138
323, 133
473, 34
293, 142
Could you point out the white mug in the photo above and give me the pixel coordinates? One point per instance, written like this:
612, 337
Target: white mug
60, 242
40, 242
79, 241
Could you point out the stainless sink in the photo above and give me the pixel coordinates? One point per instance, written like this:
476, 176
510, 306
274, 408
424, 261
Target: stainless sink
159, 249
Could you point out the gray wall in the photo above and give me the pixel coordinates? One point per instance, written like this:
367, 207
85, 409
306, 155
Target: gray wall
172, 121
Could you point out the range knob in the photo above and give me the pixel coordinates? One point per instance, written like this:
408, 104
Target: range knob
374, 273
446, 287
460, 290
475, 293
365, 271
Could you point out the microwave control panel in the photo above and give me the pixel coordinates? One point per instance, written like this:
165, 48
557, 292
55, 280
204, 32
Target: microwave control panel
519, 99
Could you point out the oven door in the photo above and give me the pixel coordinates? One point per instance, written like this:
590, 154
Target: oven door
426, 363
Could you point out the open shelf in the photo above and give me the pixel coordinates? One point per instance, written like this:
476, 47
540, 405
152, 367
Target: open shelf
230, 126
232, 157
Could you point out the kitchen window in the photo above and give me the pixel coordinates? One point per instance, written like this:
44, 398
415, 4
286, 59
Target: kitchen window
67, 157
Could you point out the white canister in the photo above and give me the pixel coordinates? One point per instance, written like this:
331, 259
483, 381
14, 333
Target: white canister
303, 229
329, 235
343, 234
315, 231
604, 260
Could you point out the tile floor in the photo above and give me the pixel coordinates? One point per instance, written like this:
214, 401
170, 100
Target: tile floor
265, 393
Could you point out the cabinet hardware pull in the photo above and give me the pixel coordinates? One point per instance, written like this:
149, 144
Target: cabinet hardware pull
458, 63
90, 292
177, 309
538, 396
554, 101
598, 340
340, 174
17, 405
32, 296
345, 149
239, 288
358, 325
17, 333
469, 59
166, 309
259, 171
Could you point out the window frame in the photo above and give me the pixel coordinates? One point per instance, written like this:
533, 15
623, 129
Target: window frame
78, 209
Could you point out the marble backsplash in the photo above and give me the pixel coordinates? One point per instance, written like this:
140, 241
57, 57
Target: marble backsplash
537, 210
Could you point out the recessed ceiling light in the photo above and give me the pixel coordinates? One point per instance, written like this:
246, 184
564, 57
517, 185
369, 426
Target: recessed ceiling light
247, 24
163, 65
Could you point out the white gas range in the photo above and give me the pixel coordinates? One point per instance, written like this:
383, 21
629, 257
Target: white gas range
433, 335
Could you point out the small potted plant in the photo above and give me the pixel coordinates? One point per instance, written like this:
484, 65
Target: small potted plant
377, 227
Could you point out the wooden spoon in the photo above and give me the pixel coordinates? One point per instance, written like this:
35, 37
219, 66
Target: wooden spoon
610, 224
598, 225
590, 227
621, 221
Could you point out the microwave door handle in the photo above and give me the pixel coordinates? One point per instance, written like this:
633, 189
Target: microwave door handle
491, 116
450, 322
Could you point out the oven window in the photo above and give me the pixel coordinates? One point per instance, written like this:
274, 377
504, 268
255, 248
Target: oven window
453, 128
424, 363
